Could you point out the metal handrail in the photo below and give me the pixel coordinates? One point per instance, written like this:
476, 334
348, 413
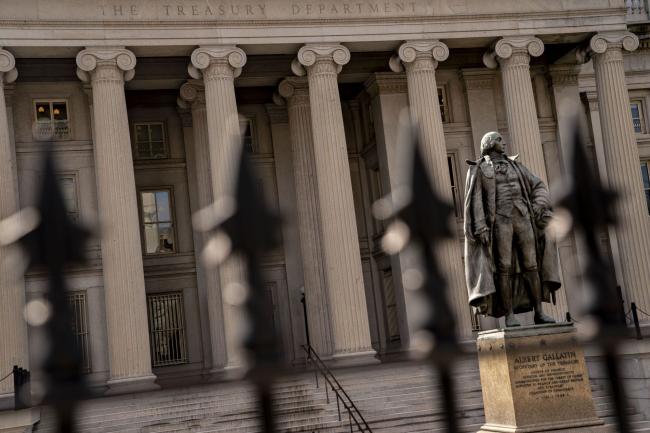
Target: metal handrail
337, 388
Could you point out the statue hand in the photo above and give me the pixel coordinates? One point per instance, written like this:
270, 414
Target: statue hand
484, 237
544, 219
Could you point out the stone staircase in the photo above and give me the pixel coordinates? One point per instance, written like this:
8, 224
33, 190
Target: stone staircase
393, 397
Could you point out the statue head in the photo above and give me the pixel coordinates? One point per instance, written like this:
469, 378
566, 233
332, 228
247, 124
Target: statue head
492, 141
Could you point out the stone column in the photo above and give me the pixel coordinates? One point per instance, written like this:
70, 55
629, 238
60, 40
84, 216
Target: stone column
192, 93
420, 58
513, 55
126, 311
622, 158
350, 330
13, 330
479, 88
219, 66
296, 91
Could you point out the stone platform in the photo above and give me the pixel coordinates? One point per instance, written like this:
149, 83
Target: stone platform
534, 379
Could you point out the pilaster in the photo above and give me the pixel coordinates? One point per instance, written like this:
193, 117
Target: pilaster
13, 330
622, 158
126, 313
420, 59
219, 66
339, 236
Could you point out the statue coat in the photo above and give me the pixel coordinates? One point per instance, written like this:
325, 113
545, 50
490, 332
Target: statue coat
480, 204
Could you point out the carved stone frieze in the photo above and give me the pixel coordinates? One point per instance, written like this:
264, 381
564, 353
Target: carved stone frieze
384, 83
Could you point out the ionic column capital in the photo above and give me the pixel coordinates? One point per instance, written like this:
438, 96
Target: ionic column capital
410, 51
310, 54
292, 87
117, 62
8, 71
602, 42
505, 48
231, 57
192, 93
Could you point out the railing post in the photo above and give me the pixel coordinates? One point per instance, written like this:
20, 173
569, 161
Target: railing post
569, 319
304, 315
338, 406
621, 303
635, 316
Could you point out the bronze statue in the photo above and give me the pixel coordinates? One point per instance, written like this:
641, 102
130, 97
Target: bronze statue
511, 267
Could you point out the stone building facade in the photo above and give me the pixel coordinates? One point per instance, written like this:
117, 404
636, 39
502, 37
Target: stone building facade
142, 99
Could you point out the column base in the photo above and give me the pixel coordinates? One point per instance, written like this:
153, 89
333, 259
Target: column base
19, 421
356, 359
227, 373
132, 384
559, 428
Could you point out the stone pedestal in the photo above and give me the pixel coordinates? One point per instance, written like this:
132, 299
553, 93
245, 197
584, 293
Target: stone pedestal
19, 421
534, 379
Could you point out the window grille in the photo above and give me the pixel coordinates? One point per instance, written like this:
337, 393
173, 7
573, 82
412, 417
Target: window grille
77, 303
444, 104
636, 107
52, 121
167, 329
150, 140
157, 220
474, 315
451, 164
645, 174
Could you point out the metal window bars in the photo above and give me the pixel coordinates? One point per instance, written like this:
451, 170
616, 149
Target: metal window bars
167, 329
79, 326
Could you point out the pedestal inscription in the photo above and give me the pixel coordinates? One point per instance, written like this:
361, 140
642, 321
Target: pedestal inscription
534, 379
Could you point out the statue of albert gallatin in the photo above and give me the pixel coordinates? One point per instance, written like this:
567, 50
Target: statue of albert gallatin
511, 266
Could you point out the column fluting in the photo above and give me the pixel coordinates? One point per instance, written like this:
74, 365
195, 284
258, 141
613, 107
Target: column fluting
296, 91
513, 55
124, 288
339, 236
622, 162
219, 66
13, 332
420, 59
193, 93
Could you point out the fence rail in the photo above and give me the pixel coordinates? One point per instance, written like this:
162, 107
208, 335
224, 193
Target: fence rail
354, 415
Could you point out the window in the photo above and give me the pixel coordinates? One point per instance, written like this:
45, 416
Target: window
246, 128
68, 184
51, 118
645, 174
79, 316
444, 104
451, 164
150, 140
167, 329
158, 227
637, 116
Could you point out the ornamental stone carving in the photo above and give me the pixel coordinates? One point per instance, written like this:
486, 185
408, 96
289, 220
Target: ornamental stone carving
192, 93
311, 54
603, 41
295, 89
226, 56
117, 58
409, 51
508, 47
8, 71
